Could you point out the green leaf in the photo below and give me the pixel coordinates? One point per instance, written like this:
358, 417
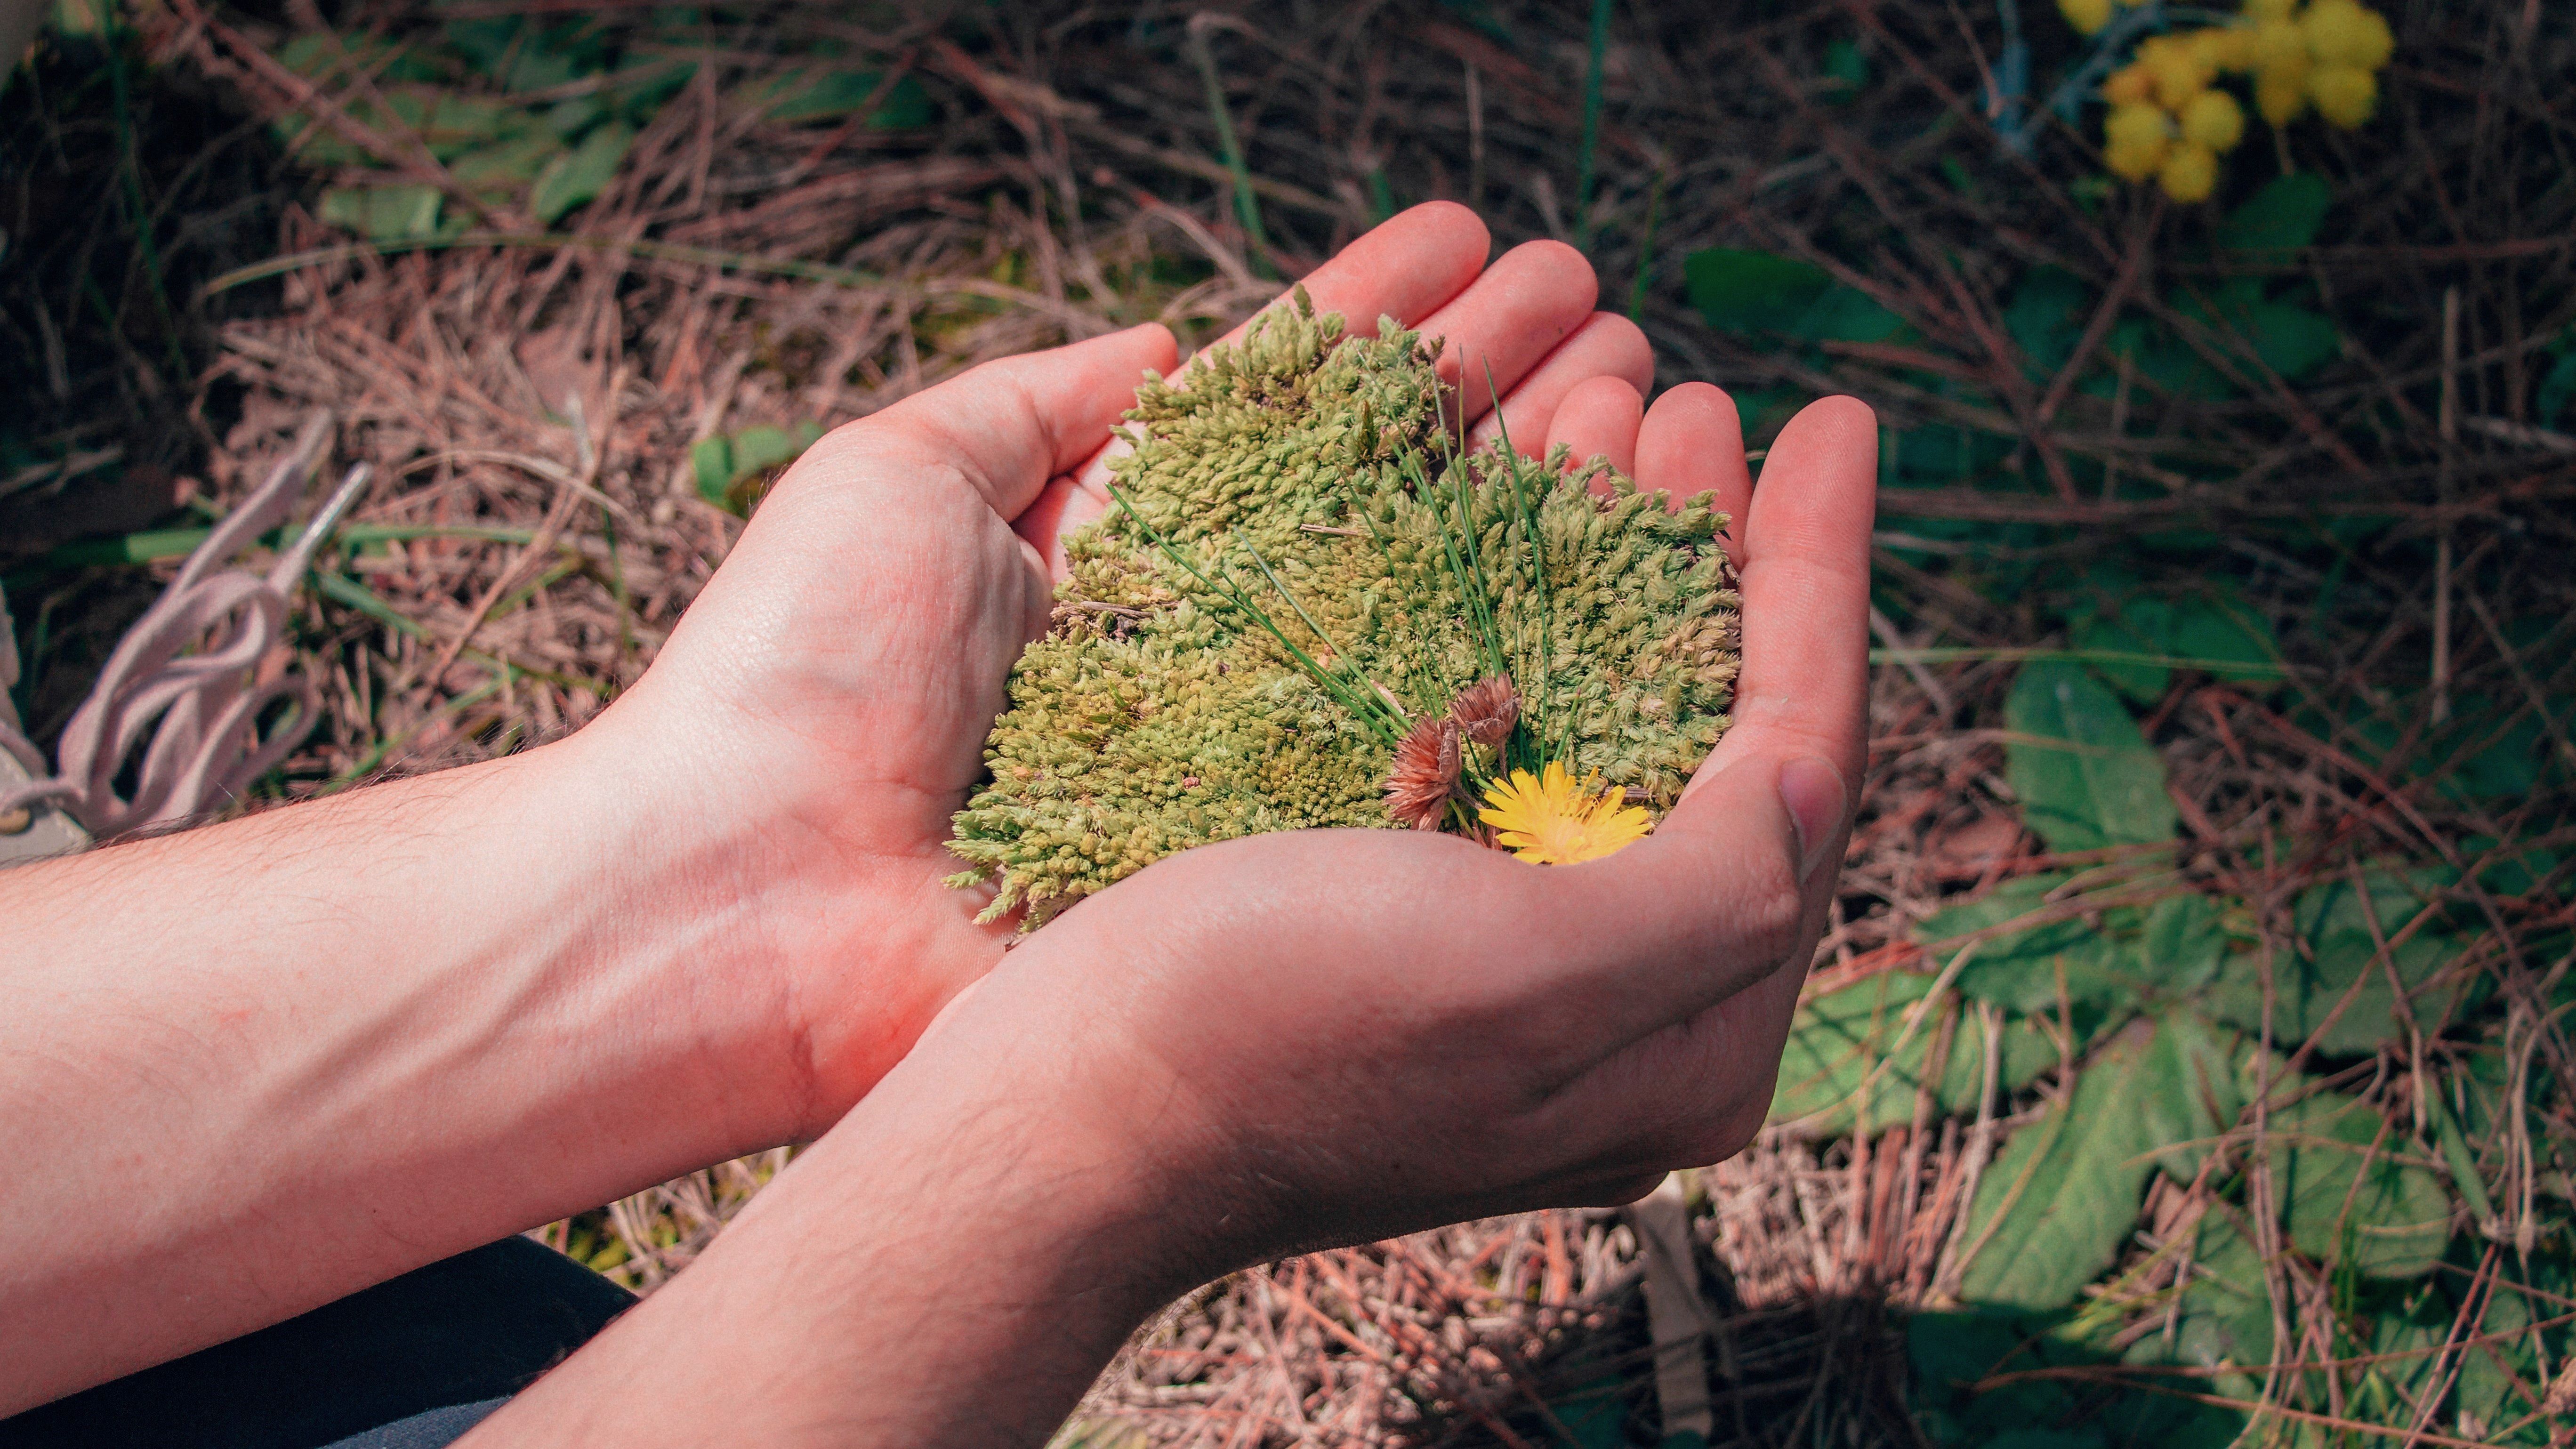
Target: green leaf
2087, 778
2046, 317
507, 164
1839, 1041
2183, 947
2305, 992
2225, 1317
1751, 293
824, 95
580, 174
712, 463
2557, 390
2054, 1207
759, 449
2284, 214
2346, 1202
384, 213
2225, 636
2142, 626
1846, 69
2488, 1371
2291, 340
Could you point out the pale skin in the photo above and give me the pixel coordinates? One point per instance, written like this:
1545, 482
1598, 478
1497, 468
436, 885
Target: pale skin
255, 1067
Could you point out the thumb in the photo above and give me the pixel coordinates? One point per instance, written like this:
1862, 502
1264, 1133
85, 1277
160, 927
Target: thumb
1011, 425
1732, 886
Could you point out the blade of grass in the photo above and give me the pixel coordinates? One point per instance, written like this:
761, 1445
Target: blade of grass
1646, 249
1367, 712
1585, 158
112, 34
1247, 207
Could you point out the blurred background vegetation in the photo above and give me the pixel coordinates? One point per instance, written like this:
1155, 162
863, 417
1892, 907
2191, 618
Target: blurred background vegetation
2188, 1060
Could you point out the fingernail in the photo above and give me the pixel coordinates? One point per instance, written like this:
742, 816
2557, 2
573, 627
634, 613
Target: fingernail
1813, 790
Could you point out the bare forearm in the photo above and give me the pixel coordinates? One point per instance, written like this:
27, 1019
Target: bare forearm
951, 1266
251, 1068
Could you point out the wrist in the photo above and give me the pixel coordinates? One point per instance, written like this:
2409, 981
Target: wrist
952, 1264
809, 954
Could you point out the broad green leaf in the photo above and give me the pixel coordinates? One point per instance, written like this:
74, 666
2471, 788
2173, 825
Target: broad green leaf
2140, 626
580, 174
383, 213
2223, 635
2557, 390
2516, 870
711, 461
824, 95
2087, 778
2056, 1204
2305, 992
2046, 317
2063, 1195
510, 164
2488, 1371
2182, 946
2284, 214
1838, 1043
761, 448
2292, 340
569, 118
2346, 1201
1845, 314
1752, 293
2225, 1318
1846, 69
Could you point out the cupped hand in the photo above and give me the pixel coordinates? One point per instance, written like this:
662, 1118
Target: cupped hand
1289, 1040
819, 715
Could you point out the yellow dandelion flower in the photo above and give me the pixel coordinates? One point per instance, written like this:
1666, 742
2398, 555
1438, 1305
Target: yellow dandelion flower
2190, 173
2344, 94
2087, 16
2265, 11
2213, 119
2345, 32
1553, 821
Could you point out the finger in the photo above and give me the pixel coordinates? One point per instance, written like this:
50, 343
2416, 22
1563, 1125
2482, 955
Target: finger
1010, 425
1602, 344
1597, 419
1530, 300
1805, 565
1061, 507
1405, 267
1715, 900
1691, 443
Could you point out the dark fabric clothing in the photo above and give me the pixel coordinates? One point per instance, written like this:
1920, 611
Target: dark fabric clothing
409, 1364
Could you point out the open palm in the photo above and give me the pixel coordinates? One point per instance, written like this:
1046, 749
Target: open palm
821, 711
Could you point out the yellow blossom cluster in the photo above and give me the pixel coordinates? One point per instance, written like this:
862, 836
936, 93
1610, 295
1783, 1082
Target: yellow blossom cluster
2171, 120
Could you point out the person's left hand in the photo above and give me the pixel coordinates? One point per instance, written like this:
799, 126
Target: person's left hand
819, 716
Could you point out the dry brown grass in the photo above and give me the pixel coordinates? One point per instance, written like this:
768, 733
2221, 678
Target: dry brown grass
530, 409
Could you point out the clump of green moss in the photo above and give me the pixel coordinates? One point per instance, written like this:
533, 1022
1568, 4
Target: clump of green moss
1299, 564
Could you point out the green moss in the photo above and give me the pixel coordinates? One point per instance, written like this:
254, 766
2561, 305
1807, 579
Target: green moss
1306, 474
